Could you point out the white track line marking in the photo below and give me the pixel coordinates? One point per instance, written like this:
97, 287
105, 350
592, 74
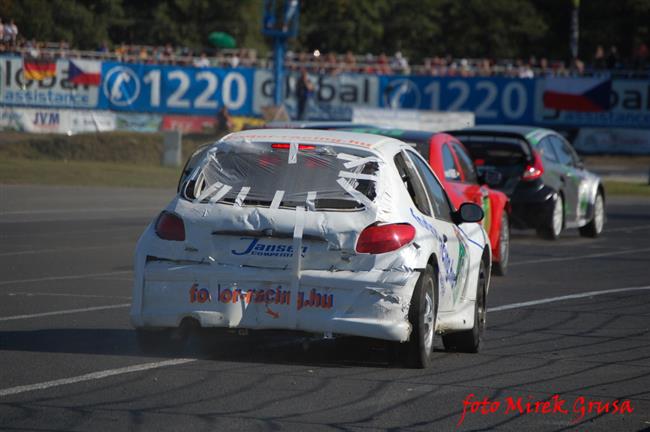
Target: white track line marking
53, 278
579, 257
84, 248
33, 294
93, 376
148, 366
81, 210
566, 297
64, 312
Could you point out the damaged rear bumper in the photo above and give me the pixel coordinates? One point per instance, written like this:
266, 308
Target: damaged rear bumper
362, 303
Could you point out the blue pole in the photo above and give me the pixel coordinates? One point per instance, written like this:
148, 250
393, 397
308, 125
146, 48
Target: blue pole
279, 46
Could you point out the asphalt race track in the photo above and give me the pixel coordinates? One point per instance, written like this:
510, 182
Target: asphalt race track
572, 319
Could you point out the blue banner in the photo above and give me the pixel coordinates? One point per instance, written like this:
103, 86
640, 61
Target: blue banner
175, 89
493, 100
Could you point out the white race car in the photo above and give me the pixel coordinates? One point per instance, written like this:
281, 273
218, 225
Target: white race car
317, 231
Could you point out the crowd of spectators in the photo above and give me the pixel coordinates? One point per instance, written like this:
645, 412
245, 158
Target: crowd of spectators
333, 63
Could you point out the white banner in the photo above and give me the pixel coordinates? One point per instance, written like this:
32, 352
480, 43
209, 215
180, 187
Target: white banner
56, 121
57, 91
413, 119
332, 99
613, 141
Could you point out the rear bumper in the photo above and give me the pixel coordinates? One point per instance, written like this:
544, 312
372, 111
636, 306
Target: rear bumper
370, 303
531, 207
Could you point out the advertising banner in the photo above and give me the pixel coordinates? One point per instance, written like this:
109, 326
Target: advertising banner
175, 89
333, 97
579, 102
613, 141
189, 124
135, 122
37, 120
493, 100
64, 88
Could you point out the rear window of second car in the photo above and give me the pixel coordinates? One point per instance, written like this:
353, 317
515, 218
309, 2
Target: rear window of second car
318, 177
496, 150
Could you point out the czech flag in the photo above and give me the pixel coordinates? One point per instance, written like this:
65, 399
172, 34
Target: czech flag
85, 72
577, 94
38, 69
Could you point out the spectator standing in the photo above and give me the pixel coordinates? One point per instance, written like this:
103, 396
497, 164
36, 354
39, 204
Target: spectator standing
612, 58
10, 33
304, 88
2, 32
224, 121
201, 62
599, 58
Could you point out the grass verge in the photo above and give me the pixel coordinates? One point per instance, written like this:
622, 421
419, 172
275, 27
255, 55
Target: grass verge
619, 188
86, 173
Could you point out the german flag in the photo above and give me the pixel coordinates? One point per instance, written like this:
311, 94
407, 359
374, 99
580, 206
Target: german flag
38, 69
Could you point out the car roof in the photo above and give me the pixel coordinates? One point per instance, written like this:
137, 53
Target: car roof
321, 137
529, 133
314, 125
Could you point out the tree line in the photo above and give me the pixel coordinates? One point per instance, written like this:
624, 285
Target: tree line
417, 28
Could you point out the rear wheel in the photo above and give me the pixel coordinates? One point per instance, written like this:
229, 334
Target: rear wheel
595, 226
422, 316
553, 226
470, 340
500, 268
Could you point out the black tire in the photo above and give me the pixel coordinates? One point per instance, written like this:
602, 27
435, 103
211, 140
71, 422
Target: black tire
422, 316
500, 268
161, 341
554, 223
595, 226
470, 340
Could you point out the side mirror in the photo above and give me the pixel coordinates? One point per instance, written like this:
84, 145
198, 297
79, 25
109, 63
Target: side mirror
469, 212
491, 178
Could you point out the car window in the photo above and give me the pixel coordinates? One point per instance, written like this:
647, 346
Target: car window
465, 164
449, 164
441, 207
564, 153
412, 183
546, 150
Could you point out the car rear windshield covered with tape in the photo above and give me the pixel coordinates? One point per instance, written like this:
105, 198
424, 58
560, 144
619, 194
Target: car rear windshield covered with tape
284, 175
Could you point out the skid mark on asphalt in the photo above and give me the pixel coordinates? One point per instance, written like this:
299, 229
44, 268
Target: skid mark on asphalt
149, 366
579, 257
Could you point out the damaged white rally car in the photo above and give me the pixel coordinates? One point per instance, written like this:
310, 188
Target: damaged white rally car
318, 231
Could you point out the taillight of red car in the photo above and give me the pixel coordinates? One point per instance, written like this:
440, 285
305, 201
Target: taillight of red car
377, 239
170, 227
535, 170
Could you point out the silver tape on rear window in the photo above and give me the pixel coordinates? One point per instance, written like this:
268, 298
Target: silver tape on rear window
358, 176
361, 161
358, 196
208, 191
241, 196
311, 201
277, 199
293, 153
297, 261
220, 194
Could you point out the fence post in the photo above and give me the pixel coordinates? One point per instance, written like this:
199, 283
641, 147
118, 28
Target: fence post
172, 146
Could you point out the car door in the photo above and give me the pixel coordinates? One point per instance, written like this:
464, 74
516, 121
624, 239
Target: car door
570, 177
473, 191
452, 177
451, 251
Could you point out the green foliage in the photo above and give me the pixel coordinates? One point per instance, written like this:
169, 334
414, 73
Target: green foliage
418, 28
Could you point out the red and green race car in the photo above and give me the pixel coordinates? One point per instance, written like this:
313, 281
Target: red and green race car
456, 171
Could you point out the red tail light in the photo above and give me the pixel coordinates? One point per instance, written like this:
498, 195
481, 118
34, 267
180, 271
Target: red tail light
282, 146
170, 227
535, 170
377, 239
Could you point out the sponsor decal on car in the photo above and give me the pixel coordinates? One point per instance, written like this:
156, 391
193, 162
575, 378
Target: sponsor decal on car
447, 262
278, 296
256, 247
